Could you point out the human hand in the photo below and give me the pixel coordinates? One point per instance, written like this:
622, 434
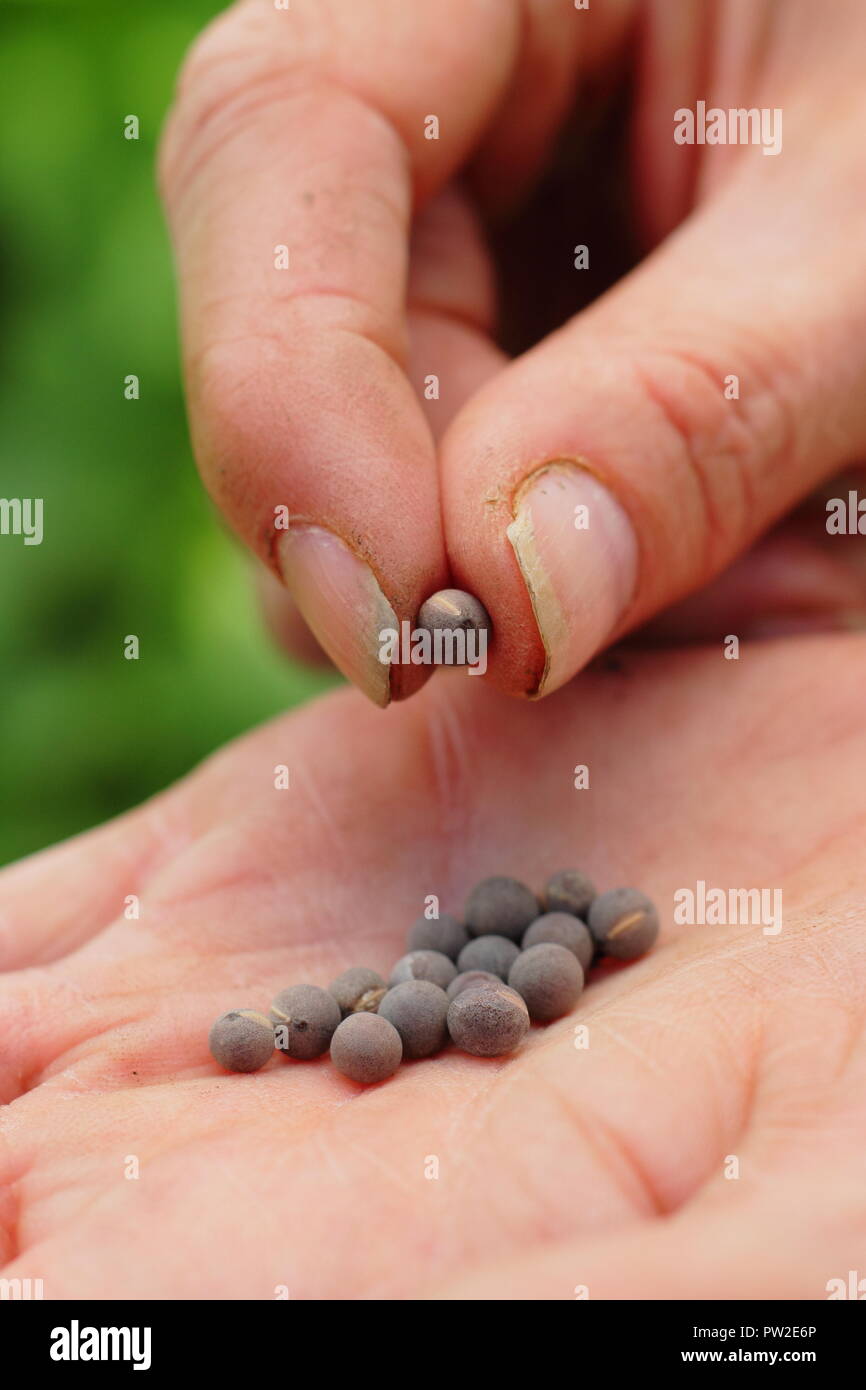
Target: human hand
305, 128
559, 1167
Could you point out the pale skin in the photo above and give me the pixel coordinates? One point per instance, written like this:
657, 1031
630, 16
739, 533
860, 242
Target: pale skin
606, 1169
559, 1167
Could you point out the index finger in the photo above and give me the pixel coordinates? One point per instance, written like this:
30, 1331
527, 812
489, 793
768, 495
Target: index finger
290, 167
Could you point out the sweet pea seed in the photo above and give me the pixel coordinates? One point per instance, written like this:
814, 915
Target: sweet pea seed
424, 965
624, 923
417, 1009
500, 906
472, 979
453, 609
487, 1021
242, 1040
443, 933
366, 1048
568, 891
564, 930
305, 1017
494, 954
358, 990
548, 978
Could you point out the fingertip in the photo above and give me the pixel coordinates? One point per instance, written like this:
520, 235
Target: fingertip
284, 621
341, 599
577, 555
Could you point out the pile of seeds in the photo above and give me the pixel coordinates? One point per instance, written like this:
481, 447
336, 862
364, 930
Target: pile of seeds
477, 983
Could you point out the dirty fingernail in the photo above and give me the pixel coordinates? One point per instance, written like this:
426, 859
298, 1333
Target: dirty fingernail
341, 601
577, 553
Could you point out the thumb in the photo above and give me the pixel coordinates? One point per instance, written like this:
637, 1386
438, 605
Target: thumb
629, 457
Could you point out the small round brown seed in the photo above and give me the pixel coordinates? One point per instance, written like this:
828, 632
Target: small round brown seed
624, 923
487, 1022
424, 965
564, 930
443, 933
569, 891
242, 1040
548, 978
453, 610
366, 1048
358, 990
500, 906
472, 979
494, 954
305, 1017
417, 1010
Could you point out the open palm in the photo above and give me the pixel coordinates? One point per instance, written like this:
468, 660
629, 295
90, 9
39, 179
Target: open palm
130, 1165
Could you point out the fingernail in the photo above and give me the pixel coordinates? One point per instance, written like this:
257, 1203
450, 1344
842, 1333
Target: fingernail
577, 553
341, 601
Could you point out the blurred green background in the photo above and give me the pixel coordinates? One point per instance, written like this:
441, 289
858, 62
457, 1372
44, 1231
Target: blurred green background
131, 543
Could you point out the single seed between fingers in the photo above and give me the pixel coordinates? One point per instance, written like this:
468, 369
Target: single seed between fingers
453, 610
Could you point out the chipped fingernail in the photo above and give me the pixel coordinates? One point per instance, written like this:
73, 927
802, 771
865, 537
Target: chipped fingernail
577, 553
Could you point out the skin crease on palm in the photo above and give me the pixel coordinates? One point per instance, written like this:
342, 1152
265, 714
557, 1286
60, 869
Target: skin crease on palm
558, 1167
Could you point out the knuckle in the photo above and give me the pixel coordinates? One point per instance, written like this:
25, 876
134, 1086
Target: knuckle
237, 64
728, 453
203, 73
